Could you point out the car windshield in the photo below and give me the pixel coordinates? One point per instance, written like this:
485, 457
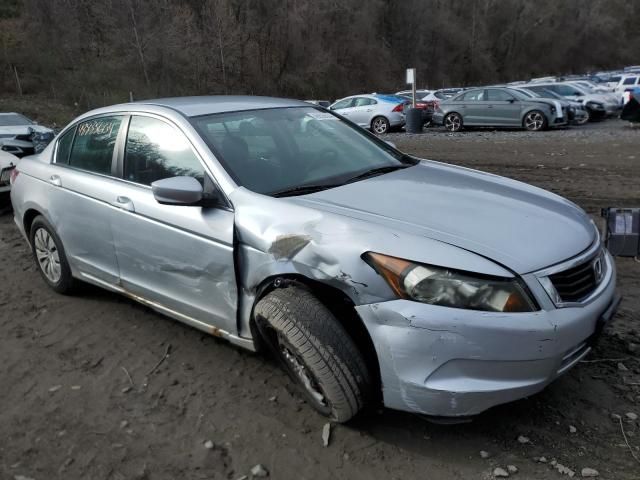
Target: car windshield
530, 93
552, 94
291, 151
13, 120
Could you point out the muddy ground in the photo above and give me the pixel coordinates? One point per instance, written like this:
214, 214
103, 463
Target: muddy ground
69, 410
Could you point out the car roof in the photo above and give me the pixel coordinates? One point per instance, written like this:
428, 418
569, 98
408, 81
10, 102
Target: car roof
205, 105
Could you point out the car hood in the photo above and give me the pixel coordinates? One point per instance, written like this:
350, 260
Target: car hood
519, 226
12, 131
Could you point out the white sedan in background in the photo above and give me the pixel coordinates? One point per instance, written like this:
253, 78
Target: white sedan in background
377, 112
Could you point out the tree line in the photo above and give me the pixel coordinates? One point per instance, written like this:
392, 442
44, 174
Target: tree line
92, 53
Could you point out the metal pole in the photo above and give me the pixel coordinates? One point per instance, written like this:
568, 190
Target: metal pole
413, 88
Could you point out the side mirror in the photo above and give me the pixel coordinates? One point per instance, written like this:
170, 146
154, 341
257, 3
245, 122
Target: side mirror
177, 191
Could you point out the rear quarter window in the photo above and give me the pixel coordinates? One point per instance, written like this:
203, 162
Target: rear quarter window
64, 146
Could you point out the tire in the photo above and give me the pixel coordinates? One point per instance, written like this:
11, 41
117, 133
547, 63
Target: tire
315, 350
535, 121
453, 122
585, 120
50, 257
380, 125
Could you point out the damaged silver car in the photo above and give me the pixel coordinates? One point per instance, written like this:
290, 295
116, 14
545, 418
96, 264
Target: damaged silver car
370, 274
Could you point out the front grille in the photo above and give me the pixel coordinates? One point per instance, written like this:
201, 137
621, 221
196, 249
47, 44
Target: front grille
576, 283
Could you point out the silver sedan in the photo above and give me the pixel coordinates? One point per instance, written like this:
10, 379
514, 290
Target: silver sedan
379, 113
280, 227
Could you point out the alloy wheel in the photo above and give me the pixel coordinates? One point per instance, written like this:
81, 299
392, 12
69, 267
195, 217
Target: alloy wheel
380, 126
453, 122
47, 255
534, 121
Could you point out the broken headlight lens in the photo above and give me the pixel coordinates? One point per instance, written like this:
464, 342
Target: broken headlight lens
451, 288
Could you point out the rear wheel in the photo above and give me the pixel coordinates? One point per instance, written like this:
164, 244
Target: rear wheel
380, 125
453, 122
315, 350
49, 255
535, 121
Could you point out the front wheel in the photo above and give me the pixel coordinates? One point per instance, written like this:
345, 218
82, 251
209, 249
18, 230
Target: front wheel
380, 125
585, 119
453, 122
535, 120
49, 255
315, 350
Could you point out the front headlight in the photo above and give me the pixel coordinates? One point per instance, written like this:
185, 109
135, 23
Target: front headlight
450, 288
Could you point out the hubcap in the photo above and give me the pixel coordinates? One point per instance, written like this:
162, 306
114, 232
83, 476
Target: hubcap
47, 255
302, 374
534, 121
453, 123
379, 126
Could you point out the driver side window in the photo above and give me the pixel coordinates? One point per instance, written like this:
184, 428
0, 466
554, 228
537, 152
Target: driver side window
157, 150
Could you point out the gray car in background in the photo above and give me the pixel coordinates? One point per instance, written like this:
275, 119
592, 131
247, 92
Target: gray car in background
277, 225
498, 107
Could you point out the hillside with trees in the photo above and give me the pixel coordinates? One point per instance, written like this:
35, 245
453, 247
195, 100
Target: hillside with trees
95, 52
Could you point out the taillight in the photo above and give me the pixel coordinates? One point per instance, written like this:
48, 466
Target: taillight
13, 175
421, 105
398, 108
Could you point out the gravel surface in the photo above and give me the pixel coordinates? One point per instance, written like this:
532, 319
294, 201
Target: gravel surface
78, 401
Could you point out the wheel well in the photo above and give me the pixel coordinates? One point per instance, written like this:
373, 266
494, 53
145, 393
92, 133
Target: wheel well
27, 220
379, 116
340, 305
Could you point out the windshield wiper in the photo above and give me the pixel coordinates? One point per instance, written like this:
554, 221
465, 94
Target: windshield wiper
303, 189
377, 171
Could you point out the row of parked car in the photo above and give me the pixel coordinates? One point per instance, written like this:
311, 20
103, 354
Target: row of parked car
535, 105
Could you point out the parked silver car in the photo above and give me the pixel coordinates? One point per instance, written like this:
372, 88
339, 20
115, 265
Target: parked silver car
21, 136
498, 107
369, 273
379, 113
598, 105
576, 112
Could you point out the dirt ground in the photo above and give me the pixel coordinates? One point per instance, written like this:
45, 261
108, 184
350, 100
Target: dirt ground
69, 410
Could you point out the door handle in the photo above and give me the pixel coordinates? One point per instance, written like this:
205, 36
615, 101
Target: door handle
489, 106
55, 180
125, 203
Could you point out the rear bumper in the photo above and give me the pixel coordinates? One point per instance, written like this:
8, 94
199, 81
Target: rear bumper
396, 119
450, 362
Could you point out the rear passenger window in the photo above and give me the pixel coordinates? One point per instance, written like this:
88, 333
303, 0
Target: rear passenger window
94, 143
156, 150
64, 146
474, 96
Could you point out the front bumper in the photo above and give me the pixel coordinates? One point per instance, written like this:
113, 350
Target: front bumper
450, 362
